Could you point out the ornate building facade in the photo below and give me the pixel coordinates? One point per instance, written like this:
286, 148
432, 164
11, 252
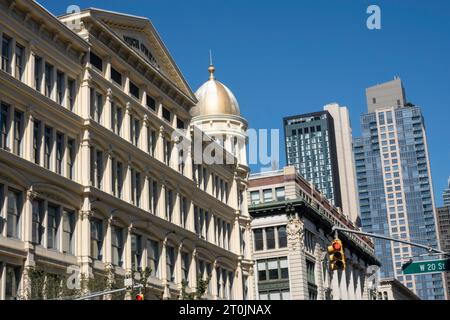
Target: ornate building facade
292, 228
91, 176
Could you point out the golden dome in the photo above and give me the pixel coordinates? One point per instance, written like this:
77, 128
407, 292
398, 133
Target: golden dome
214, 98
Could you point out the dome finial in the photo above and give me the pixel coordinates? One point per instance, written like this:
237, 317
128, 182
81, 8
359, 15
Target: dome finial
211, 68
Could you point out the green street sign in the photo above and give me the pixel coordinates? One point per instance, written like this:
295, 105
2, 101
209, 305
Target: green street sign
431, 266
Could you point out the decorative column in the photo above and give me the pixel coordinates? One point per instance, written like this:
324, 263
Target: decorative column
107, 111
108, 68
127, 184
160, 145
144, 138
214, 278
178, 267
162, 201
86, 158
126, 127
320, 255
193, 271
84, 233
165, 282
27, 146
127, 259
190, 223
176, 214
28, 241
188, 161
84, 106
107, 182
145, 195
238, 284
29, 68
297, 262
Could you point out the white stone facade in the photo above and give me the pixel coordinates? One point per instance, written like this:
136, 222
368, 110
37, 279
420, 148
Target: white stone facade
89, 174
296, 227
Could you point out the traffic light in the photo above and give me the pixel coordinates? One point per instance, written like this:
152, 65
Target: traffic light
139, 296
336, 255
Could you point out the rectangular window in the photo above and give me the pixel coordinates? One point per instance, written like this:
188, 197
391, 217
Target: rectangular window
68, 232
6, 53
185, 265
97, 106
282, 237
279, 192
184, 212
12, 282
267, 195
270, 238
169, 204
116, 76
116, 118
53, 220
167, 151
71, 93
170, 260
36, 141
310, 275
151, 141
48, 80
20, 62
137, 132
38, 229
259, 241
119, 175
48, 147
97, 239
14, 212
37, 73
70, 158
180, 124
151, 102
117, 246
136, 252
254, 197
60, 87
4, 110
153, 257
166, 114
196, 221
154, 196
137, 185
59, 152
272, 269
18, 132
134, 90
98, 169
96, 61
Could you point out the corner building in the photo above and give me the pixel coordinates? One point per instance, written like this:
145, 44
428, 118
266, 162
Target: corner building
292, 229
90, 176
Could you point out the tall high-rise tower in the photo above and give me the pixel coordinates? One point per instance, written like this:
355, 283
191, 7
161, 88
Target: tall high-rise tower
446, 195
319, 145
394, 184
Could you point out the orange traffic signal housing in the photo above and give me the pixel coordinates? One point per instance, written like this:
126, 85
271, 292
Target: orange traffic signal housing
336, 255
139, 296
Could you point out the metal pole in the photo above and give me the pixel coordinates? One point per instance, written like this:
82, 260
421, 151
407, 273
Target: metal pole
372, 235
98, 294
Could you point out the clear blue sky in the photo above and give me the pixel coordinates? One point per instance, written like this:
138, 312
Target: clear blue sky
287, 57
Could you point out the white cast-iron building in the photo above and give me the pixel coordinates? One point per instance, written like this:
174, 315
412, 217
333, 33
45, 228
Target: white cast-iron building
89, 174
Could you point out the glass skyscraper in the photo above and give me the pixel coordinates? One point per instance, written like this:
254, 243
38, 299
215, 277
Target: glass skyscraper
311, 149
446, 195
394, 184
